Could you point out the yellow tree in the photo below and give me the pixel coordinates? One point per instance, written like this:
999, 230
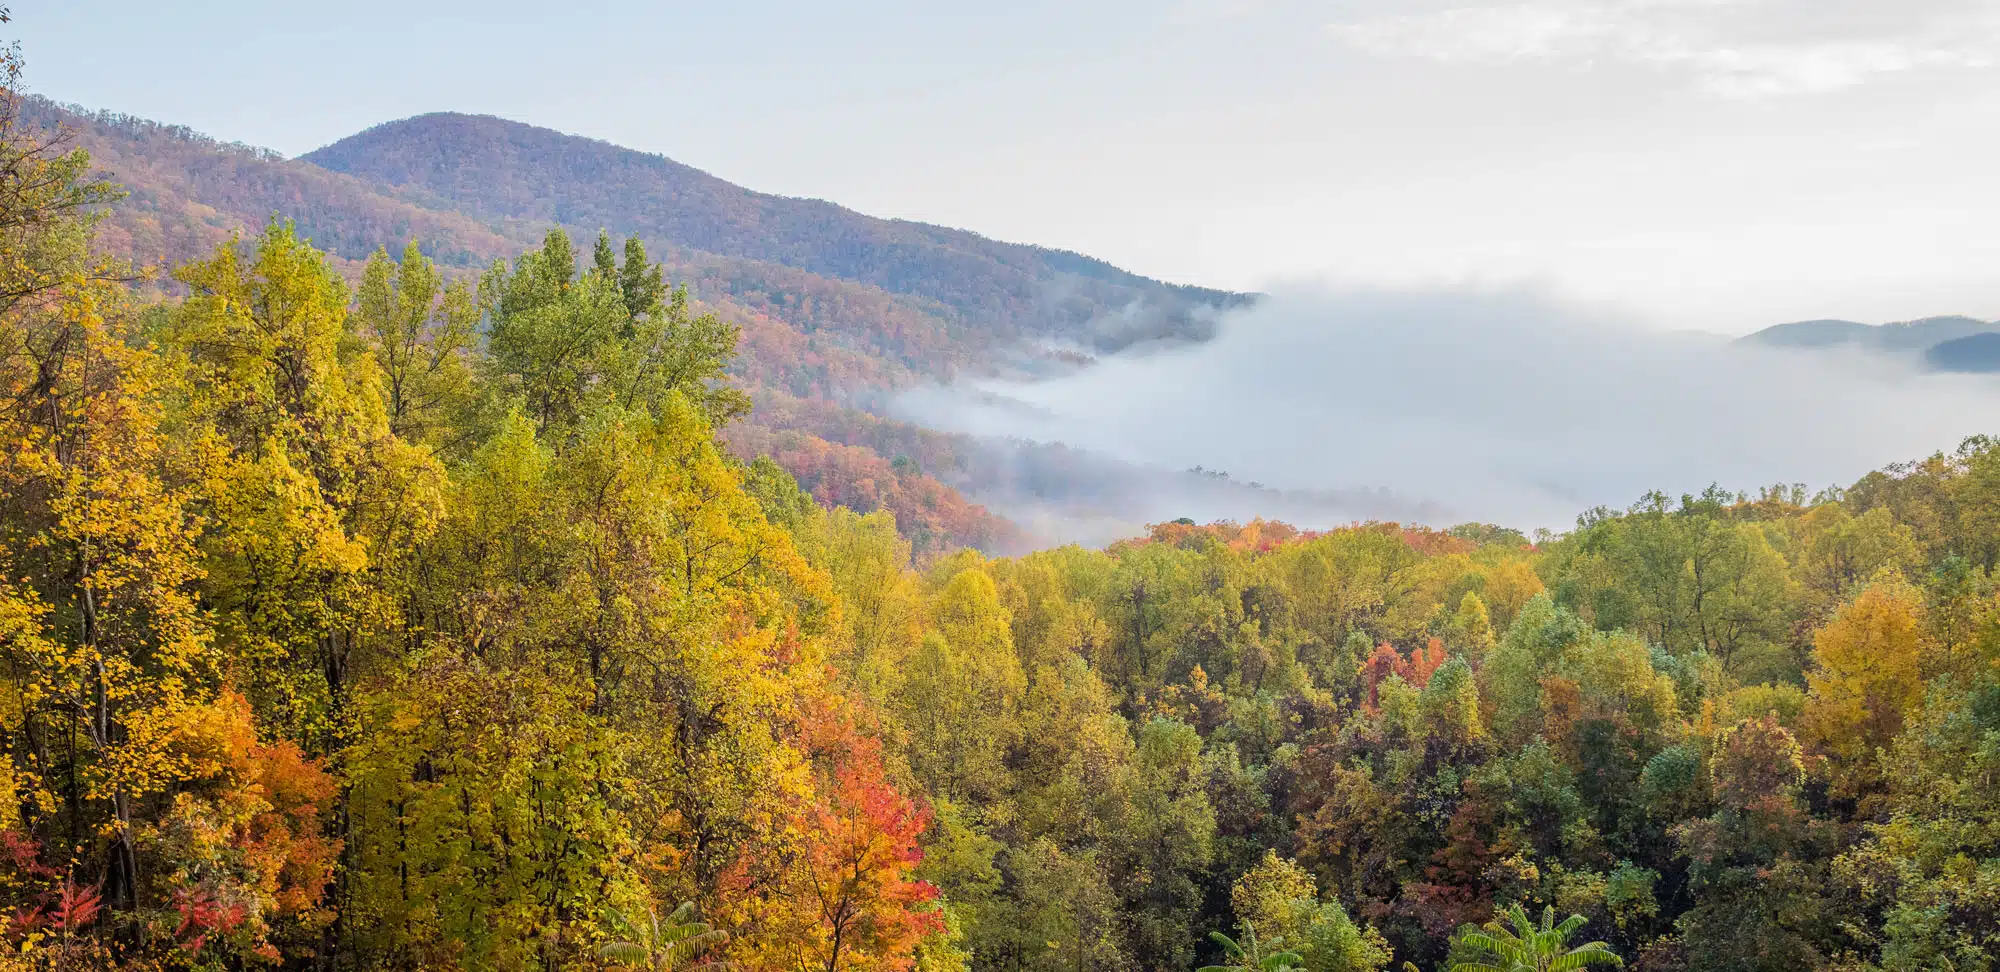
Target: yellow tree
126, 769
961, 689
1867, 678
106, 645
1472, 627
284, 421
101, 645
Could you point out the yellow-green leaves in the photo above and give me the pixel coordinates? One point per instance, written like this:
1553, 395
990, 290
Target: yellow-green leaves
1867, 681
422, 332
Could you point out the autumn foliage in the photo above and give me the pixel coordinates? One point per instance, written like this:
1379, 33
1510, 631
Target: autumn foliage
849, 897
357, 617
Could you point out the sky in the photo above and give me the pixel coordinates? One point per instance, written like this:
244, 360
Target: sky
1712, 165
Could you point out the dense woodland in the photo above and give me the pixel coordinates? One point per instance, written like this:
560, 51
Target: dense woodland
423, 623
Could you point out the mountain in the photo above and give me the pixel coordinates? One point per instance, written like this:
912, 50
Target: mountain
189, 192
1954, 343
838, 310
1813, 334
506, 172
1917, 335
1972, 354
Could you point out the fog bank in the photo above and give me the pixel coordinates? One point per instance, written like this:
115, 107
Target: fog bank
1505, 406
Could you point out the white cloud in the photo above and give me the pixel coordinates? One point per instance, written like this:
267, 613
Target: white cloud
1738, 48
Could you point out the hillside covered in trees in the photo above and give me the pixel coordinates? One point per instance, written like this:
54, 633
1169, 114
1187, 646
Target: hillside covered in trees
503, 171
424, 622
838, 310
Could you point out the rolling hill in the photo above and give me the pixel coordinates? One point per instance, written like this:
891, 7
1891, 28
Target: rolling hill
1972, 354
1913, 337
189, 192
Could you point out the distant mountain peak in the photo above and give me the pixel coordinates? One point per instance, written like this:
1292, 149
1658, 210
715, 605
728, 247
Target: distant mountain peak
508, 172
1911, 336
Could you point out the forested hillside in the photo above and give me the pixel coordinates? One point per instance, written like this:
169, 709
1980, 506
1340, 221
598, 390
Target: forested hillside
421, 622
837, 309
506, 171
187, 193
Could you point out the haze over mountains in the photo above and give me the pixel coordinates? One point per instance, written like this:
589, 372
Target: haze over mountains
1944, 344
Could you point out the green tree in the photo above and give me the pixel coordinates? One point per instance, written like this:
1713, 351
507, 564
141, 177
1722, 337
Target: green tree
422, 331
670, 944
1515, 943
1168, 836
612, 336
1250, 955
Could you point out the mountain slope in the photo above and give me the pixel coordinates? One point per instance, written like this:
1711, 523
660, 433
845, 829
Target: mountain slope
1972, 354
188, 192
507, 172
1914, 335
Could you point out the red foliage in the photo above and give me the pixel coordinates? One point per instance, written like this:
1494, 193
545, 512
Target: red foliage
1256, 536
202, 915
1442, 908
1416, 668
249, 830
860, 845
63, 905
1464, 859
1422, 663
20, 857
1380, 665
1434, 543
75, 907
932, 515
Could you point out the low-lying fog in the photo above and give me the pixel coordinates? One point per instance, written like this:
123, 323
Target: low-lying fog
1505, 406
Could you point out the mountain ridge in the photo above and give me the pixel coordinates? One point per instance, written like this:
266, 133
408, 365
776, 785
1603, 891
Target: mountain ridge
1912, 335
504, 171
187, 192
1951, 343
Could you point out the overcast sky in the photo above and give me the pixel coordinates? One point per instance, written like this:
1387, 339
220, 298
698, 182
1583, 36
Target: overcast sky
1702, 164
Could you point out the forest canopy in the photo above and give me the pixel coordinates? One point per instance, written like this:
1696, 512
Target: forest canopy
415, 621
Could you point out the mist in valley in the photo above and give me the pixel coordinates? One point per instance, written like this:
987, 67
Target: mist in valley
1322, 405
